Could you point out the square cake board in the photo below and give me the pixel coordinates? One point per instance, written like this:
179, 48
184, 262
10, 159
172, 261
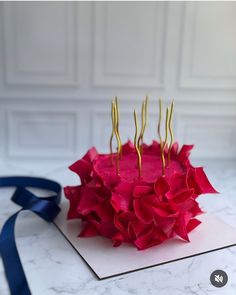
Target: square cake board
98, 251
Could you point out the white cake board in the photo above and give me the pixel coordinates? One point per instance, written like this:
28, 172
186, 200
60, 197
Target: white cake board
107, 261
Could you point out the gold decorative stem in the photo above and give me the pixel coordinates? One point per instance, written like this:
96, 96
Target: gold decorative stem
170, 130
160, 138
117, 127
165, 142
136, 145
144, 120
115, 114
112, 133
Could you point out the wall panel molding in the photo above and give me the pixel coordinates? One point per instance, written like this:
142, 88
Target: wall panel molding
208, 52
41, 133
129, 54
213, 135
40, 44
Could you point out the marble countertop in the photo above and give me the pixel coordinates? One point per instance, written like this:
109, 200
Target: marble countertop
53, 267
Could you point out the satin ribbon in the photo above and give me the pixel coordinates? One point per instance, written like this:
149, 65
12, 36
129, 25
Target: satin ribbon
46, 208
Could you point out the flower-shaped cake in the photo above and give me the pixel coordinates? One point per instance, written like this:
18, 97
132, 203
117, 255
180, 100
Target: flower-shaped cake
146, 210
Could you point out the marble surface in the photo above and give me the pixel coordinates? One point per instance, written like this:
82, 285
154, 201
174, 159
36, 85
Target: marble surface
53, 267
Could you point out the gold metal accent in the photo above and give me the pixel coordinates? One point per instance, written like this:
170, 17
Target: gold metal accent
136, 145
144, 120
166, 128
117, 127
117, 138
112, 132
162, 145
170, 130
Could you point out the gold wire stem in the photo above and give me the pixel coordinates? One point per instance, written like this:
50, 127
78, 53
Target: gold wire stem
144, 118
117, 139
166, 128
117, 127
160, 138
163, 145
170, 130
136, 145
140, 138
112, 133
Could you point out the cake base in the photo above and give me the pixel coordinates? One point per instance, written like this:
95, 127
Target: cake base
107, 261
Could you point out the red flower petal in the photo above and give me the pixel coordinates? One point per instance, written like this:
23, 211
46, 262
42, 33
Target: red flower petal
192, 224
177, 182
89, 200
120, 202
90, 155
128, 147
161, 186
122, 219
117, 239
142, 211
180, 228
73, 193
185, 152
89, 230
83, 169
153, 148
198, 180
203, 182
105, 228
121, 197
166, 224
141, 190
174, 149
183, 195
151, 238
129, 225
166, 210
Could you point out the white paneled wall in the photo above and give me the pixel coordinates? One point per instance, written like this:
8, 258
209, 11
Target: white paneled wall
61, 63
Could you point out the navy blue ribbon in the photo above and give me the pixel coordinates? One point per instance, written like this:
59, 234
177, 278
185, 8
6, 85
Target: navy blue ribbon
46, 208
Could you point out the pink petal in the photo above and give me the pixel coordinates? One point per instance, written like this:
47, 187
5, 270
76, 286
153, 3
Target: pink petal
120, 202
185, 152
89, 230
90, 155
180, 228
183, 195
73, 193
142, 211
193, 223
161, 186
140, 191
203, 182
151, 238
83, 169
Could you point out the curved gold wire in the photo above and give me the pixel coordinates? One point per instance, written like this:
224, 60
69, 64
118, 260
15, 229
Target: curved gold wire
112, 132
166, 128
117, 127
163, 162
140, 138
170, 130
117, 139
144, 118
136, 145
163, 144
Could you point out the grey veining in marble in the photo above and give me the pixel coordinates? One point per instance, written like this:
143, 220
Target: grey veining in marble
53, 267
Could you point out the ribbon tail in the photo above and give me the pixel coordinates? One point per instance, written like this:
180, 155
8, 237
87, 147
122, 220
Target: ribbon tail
13, 268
